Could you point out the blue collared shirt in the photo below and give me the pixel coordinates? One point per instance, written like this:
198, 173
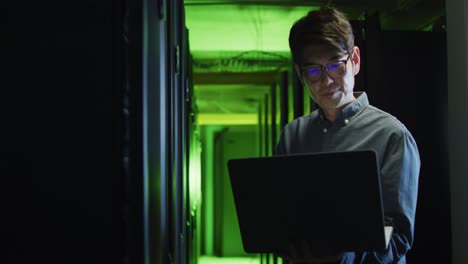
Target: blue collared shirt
361, 126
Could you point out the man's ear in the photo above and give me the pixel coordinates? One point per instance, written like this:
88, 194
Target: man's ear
356, 60
298, 72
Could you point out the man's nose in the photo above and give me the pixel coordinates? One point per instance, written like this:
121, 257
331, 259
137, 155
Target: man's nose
325, 78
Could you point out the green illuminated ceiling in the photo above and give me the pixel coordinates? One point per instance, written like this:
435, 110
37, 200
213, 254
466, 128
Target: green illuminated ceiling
231, 28
226, 26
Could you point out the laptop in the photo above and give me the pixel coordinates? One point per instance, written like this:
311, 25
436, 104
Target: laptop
331, 200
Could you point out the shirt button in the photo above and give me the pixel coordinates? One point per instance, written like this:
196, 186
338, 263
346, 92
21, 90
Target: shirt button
346, 121
325, 130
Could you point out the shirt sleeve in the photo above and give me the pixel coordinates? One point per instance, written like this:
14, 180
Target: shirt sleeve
399, 180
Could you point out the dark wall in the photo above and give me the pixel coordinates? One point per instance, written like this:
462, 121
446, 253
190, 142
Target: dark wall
62, 186
407, 77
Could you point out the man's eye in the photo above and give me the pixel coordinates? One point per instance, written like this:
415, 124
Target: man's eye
313, 71
333, 66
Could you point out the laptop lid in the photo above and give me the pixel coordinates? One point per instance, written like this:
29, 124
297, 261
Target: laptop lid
331, 200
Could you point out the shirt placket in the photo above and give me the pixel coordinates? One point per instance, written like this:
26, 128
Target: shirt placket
327, 135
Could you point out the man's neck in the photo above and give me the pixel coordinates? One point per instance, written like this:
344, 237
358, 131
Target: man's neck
331, 114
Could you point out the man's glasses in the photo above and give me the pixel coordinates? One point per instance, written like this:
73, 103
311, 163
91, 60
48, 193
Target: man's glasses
334, 70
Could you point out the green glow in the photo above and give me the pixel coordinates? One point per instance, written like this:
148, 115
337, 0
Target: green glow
194, 182
227, 119
306, 97
229, 99
231, 260
241, 28
207, 221
235, 142
195, 172
234, 260
290, 96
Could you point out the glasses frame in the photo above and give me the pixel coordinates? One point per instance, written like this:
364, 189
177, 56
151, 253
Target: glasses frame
324, 68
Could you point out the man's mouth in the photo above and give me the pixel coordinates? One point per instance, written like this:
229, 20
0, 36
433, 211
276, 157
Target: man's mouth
328, 93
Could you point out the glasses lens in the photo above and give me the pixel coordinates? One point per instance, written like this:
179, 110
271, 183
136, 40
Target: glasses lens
312, 74
337, 69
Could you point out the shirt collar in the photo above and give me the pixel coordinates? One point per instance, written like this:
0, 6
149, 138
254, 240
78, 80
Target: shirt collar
346, 114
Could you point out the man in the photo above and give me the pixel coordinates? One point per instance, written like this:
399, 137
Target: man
326, 61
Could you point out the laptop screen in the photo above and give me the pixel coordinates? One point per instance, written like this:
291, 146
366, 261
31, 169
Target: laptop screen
332, 200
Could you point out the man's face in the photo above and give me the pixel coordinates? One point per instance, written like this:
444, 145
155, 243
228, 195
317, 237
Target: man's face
332, 88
